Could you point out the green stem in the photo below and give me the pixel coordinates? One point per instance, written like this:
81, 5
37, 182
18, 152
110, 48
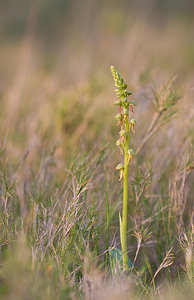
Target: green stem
123, 143
125, 199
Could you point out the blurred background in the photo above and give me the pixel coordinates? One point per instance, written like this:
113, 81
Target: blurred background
55, 58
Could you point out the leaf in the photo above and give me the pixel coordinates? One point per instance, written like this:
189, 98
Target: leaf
116, 259
121, 231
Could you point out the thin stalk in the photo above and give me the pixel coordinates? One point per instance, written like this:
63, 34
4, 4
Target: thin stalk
125, 105
125, 199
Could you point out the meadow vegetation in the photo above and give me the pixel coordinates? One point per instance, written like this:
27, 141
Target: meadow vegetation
60, 194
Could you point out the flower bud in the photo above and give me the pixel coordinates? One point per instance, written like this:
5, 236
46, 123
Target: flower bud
119, 117
132, 103
123, 133
119, 167
118, 94
118, 143
118, 102
132, 125
132, 121
125, 111
131, 152
129, 93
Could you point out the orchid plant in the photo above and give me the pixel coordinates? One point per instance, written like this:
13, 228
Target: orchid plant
127, 125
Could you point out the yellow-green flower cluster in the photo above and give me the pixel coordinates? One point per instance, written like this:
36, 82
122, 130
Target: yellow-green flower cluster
121, 92
125, 107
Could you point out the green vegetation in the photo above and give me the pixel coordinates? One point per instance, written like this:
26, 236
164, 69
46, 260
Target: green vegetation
60, 197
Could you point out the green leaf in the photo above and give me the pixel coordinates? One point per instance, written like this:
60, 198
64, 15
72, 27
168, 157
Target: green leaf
121, 230
116, 259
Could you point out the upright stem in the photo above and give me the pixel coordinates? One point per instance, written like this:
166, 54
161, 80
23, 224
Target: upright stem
123, 143
125, 199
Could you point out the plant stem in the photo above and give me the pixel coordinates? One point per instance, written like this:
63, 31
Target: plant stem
123, 143
125, 199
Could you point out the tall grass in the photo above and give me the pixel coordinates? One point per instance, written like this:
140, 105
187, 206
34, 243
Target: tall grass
59, 192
